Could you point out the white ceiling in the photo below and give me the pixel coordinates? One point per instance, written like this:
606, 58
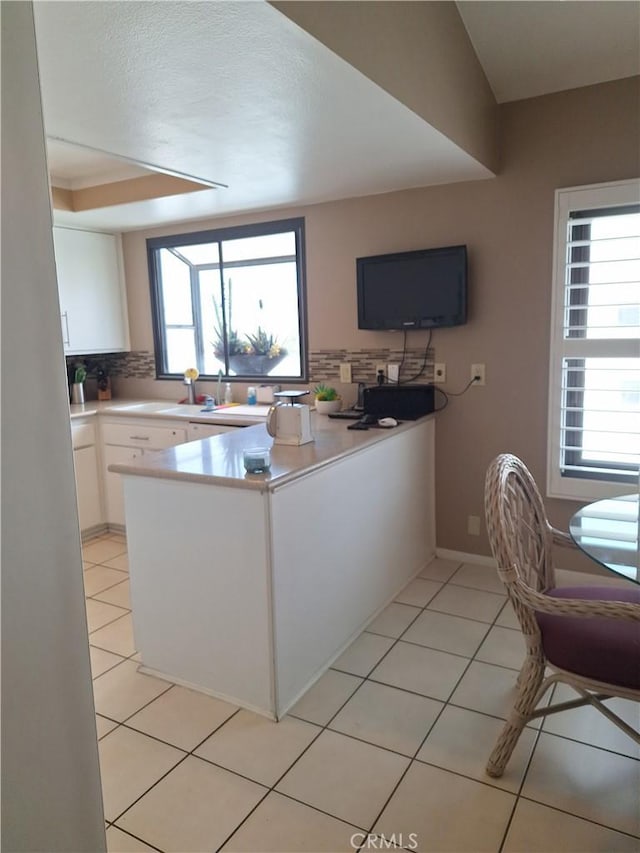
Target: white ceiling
235, 93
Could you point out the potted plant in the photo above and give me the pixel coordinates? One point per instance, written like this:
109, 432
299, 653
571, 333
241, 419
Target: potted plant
254, 354
327, 399
77, 387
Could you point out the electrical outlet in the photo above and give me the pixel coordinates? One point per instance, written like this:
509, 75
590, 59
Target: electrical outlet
393, 372
381, 368
439, 372
345, 372
473, 525
478, 370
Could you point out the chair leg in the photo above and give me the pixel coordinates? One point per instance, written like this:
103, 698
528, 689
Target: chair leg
529, 681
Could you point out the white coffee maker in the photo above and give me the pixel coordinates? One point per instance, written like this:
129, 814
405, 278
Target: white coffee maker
289, 422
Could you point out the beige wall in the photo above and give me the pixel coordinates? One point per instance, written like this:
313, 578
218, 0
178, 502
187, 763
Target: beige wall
583, 136
418, 52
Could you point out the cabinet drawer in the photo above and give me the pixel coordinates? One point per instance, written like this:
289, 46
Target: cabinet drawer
83, 435
130, 435
204, 430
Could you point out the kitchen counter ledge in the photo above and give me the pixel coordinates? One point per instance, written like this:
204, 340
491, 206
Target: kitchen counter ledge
238, 415
219, 459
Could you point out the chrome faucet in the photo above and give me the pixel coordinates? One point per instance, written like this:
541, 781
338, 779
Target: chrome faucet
191, 391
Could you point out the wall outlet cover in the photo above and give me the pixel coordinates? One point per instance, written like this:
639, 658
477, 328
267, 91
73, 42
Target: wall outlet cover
473, 525
478, 370
393, 372
439, 372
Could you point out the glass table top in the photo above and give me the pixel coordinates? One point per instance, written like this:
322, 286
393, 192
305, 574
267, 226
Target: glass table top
607, 531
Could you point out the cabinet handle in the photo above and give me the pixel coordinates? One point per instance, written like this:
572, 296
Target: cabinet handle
65, 331
138, 438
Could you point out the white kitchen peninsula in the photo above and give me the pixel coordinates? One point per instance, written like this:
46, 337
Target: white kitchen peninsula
249, 587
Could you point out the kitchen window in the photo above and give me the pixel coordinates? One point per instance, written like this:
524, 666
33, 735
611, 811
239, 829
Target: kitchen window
230, 301
594, 402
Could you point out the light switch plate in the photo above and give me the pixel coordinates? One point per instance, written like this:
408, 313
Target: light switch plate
345, 372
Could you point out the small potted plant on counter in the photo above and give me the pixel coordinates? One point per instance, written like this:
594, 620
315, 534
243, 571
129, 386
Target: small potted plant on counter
327, 399
77, 387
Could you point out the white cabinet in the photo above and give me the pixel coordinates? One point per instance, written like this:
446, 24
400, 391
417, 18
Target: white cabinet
125, 440
114, 499
85, 460
196, 431
91, 290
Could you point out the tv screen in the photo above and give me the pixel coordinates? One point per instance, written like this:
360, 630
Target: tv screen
413, 290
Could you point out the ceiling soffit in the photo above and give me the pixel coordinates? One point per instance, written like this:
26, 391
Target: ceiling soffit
421, 54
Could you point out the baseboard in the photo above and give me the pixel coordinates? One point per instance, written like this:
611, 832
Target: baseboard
565, 577
463, 557
90, 533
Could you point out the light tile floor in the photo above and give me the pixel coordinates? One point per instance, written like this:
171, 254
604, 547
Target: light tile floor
391, 741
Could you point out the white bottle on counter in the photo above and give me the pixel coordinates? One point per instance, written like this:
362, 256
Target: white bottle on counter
228, 393
251, 395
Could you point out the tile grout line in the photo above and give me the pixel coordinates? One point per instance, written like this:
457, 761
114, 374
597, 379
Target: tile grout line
106, 624
93, 595
136, 837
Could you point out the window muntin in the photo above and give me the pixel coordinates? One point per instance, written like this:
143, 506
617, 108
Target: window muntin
232, 301
594, 417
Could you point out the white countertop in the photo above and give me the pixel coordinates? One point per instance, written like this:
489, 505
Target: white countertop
239, 414
219, 460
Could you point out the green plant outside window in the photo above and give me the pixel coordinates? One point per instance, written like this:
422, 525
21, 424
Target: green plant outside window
231, 302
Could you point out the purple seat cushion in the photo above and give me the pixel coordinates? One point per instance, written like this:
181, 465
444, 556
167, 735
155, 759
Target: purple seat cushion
599, 648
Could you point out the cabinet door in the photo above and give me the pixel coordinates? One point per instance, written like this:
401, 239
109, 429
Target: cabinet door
91, 291
114, 498
88, 487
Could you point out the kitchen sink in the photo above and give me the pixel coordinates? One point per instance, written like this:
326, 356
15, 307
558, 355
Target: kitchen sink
220, 414
185, 409
140, 407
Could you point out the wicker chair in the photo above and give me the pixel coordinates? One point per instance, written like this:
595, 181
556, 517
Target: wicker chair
588, 637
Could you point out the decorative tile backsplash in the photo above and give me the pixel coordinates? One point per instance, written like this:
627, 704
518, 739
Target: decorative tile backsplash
324, 365
131, 365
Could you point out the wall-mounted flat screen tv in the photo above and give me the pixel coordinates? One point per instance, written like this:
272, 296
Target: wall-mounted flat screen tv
413, 290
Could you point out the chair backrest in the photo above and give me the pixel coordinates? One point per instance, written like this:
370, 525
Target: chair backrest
519, 532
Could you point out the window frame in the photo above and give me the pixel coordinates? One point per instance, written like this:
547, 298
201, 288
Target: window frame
588, 197
219, 235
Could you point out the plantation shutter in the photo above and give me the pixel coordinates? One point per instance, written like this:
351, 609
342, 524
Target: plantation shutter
596, 353
601, 390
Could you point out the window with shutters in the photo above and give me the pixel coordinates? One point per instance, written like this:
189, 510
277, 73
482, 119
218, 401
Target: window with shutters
594, 403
